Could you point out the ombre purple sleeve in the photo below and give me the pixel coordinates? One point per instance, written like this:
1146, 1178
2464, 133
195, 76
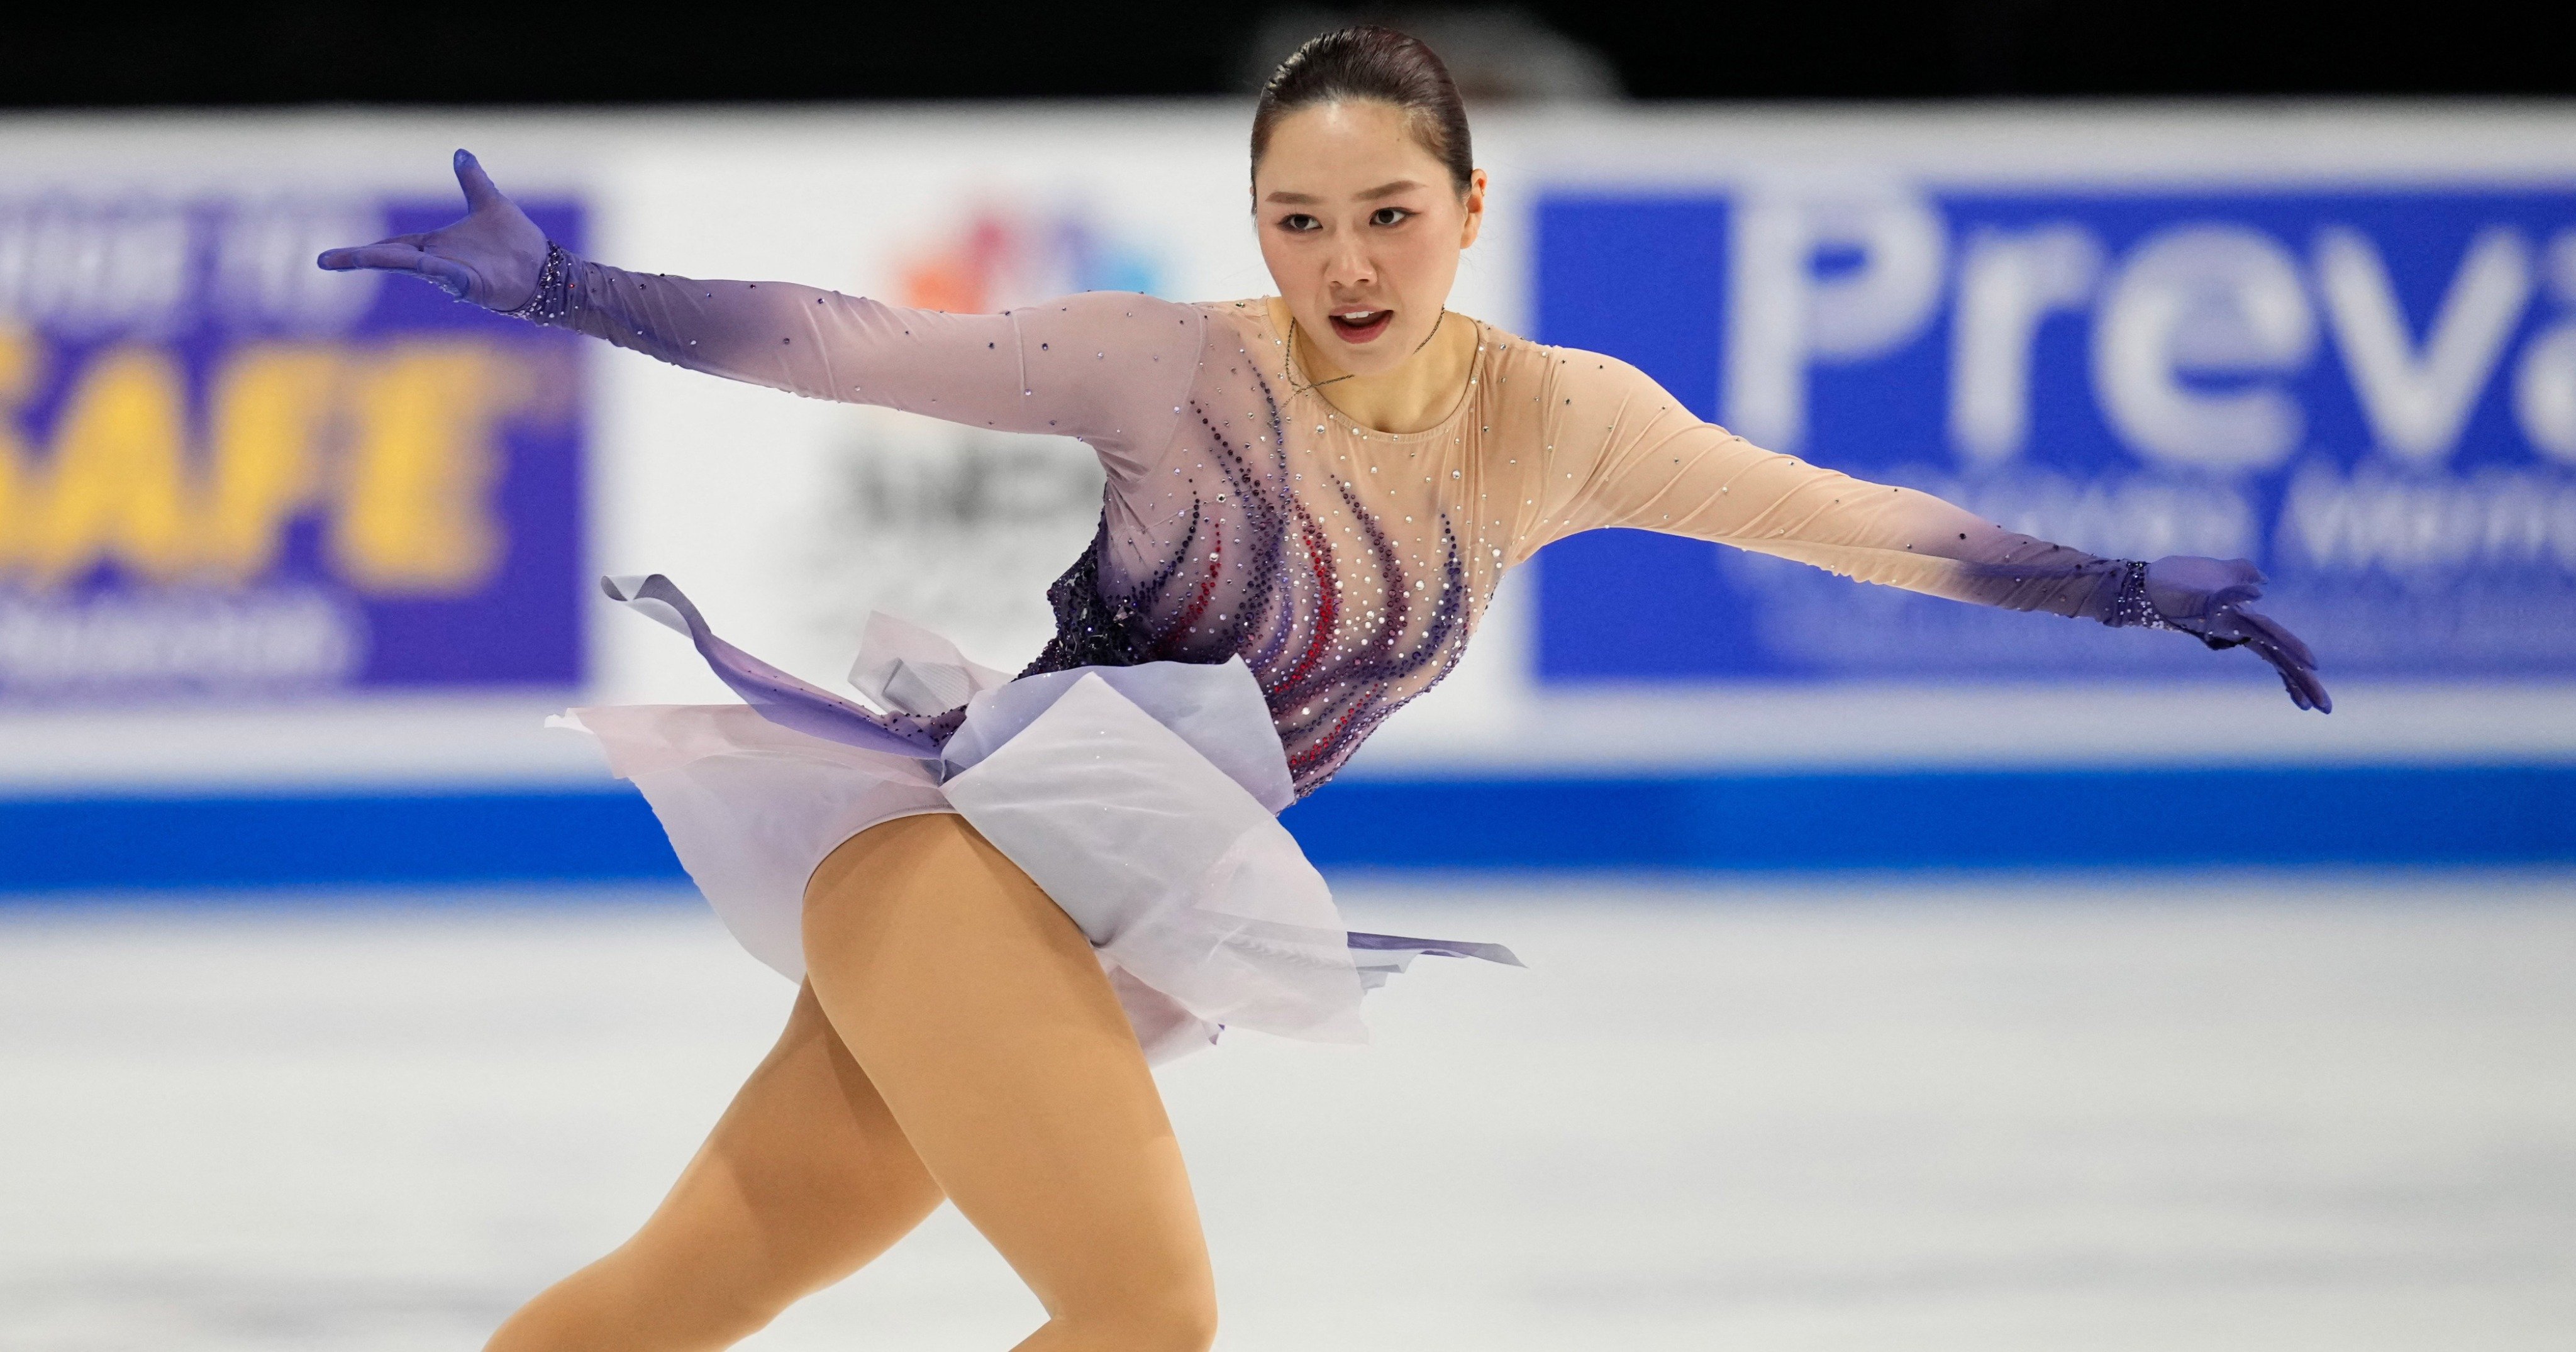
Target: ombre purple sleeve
1623, 452
1108, 367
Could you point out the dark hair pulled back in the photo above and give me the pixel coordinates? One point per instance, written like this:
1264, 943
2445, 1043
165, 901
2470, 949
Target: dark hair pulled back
1378, 64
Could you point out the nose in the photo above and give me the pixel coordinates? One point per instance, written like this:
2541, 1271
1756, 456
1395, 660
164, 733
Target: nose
1350, 267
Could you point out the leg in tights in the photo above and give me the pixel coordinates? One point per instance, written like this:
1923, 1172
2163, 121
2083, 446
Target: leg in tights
804, 1179
985, 1020
973, 1046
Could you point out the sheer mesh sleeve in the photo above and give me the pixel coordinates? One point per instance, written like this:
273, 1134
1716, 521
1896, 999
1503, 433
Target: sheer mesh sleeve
1620, 451
1108, 367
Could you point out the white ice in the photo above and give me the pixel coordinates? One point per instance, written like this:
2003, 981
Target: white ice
2267, 1112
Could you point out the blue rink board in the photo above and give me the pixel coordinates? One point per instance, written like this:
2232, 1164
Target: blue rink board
2008, 819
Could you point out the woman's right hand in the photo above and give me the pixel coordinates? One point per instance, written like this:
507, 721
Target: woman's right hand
492, 257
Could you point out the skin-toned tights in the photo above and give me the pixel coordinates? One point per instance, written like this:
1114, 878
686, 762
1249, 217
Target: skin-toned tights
956, 1037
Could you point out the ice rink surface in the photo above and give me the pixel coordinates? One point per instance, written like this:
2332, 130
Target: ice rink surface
2267, 1112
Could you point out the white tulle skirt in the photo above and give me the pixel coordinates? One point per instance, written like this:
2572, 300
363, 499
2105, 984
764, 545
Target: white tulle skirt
1142, 799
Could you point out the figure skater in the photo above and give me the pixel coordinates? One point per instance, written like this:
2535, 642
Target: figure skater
1005, 895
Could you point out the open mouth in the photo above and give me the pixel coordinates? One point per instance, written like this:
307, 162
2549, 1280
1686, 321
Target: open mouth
1359, 326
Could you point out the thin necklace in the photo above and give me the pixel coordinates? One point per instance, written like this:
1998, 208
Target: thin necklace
1290, 371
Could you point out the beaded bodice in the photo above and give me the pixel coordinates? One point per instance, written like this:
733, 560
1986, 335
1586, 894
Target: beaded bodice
1345, 567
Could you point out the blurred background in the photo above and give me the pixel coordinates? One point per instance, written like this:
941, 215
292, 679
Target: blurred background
1902, 973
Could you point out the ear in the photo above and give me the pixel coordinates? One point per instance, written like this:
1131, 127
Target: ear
1475, 210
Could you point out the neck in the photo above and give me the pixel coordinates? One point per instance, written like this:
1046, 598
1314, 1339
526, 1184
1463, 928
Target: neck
1413, 397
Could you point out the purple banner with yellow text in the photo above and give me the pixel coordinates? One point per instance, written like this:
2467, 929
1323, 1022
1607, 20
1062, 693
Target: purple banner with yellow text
226, 472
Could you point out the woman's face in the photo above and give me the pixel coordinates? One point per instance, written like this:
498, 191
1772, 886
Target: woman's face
1362, 230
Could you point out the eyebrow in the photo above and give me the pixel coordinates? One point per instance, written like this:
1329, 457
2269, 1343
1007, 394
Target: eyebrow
1381, 190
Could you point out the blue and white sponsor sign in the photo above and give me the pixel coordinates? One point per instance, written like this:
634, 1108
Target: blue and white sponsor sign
2371, 393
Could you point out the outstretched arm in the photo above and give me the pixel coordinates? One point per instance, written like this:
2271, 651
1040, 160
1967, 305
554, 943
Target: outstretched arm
1626, 453
1106, 367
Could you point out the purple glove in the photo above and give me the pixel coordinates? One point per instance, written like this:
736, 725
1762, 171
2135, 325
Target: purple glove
2206, 599
494, 257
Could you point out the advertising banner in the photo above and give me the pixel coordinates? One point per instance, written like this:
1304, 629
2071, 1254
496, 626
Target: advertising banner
2370, 392
223, 471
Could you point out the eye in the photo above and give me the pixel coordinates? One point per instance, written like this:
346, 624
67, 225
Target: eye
1389, 216
1298, 223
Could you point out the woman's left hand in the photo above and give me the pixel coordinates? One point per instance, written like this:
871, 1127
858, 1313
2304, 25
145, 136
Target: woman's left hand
2206, 599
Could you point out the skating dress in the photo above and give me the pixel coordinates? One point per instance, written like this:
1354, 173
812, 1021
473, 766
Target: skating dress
1269, 583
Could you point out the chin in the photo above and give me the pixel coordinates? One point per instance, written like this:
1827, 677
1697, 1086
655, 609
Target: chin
1375, 359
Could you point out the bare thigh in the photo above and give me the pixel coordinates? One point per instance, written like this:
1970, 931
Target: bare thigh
805, 1178
984, 1019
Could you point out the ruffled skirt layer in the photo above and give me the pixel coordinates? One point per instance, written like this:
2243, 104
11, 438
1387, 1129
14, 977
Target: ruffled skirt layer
1141, 799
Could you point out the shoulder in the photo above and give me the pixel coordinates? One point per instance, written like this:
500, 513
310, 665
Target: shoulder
1526, 359
1111, 309
1248, 322
1574, 364
1579, 378
1152, 344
